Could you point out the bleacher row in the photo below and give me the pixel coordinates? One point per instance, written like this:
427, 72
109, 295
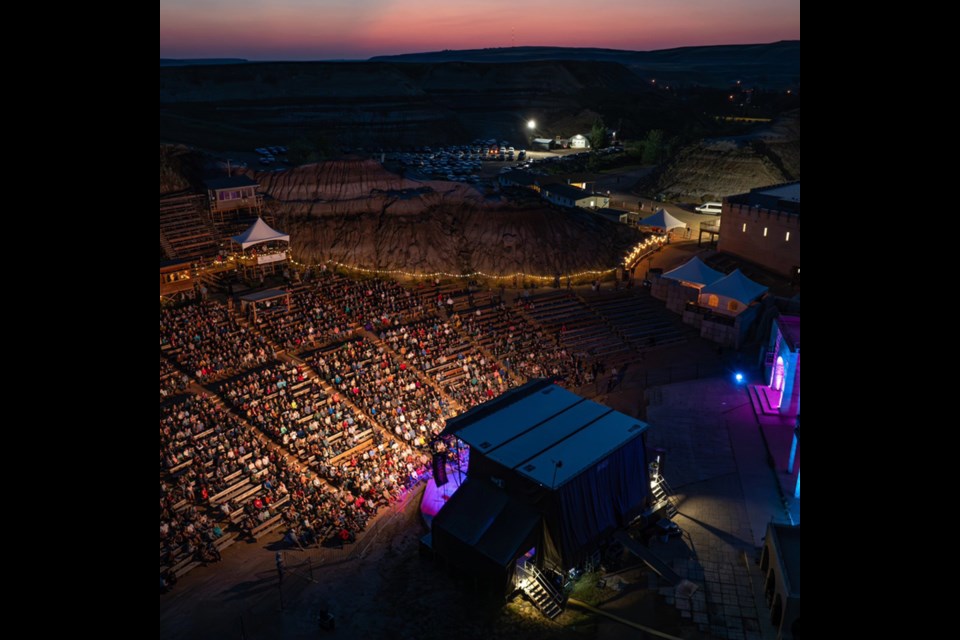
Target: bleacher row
209, 342
172, 382
206, 457
184, 232
332, 307
438, 350
385, 388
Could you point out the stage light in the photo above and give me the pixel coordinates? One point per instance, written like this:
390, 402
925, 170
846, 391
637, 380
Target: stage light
738, 377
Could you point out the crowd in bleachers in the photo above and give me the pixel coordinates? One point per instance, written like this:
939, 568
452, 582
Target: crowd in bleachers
353, 428
385, 389
331, 307
207, 341
438, 350
520, 346
285, 403
202, 447
172, 382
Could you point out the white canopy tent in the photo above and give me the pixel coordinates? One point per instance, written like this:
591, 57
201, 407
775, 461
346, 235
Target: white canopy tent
258, 233
731, 294
695, 273
662, 220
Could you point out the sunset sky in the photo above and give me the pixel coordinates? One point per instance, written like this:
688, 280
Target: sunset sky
358, 29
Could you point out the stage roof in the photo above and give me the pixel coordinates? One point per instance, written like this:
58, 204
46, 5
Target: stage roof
488, 520
266, 294
534, 427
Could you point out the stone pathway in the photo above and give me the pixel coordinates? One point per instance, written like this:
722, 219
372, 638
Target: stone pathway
726, 493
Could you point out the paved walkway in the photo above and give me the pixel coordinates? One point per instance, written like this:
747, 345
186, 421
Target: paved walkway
727, 492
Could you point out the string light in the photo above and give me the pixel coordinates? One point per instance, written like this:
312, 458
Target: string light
632, 256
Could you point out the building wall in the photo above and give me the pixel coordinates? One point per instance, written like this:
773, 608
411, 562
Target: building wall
594, 202
742, 234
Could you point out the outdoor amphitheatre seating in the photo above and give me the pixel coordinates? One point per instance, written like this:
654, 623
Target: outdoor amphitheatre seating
316, 438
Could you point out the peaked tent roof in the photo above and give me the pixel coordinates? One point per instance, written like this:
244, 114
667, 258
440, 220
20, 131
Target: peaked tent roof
662, 220
736, 286
259, 232
695, 271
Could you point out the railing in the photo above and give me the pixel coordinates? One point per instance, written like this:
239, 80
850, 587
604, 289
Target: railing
709, 315
528, 573
239, 203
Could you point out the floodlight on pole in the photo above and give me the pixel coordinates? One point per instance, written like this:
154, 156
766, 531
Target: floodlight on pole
531, 124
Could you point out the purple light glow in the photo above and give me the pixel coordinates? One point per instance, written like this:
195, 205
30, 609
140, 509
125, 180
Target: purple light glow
435, 497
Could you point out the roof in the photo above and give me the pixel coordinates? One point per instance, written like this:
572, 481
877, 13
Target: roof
786, 540
488, 520
790, 330
566, 191
266, 294
544, 140
736, 286
662, 220
694, 271
779, 197
789, 192
230, 183
258, 233
539, 425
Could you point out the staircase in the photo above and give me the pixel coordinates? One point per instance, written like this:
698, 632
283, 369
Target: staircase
539, 591
663, 496
167, 247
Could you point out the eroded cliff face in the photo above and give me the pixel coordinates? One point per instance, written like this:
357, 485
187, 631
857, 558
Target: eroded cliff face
713, 169
357, 213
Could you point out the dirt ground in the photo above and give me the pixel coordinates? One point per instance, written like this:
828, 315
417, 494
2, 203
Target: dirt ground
388, 590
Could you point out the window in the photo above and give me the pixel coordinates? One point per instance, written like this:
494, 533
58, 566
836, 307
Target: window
765, 232
788, 237
713, 300
744, 227
732, 305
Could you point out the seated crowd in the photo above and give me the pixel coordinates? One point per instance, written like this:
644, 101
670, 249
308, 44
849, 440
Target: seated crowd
385, 389
523, 349
206, 340
439, 351
283, 402
358, 420
172, 382
332, 306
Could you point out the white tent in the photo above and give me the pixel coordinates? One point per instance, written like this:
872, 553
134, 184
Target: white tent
694, 272
259, 232
732, 293
662, 220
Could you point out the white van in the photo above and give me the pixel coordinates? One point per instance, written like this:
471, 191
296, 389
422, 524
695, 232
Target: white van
710, 208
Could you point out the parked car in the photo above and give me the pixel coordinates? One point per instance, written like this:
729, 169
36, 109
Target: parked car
710, 208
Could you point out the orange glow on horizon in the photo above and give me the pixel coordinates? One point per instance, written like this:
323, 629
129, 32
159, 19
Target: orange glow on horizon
290, 29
